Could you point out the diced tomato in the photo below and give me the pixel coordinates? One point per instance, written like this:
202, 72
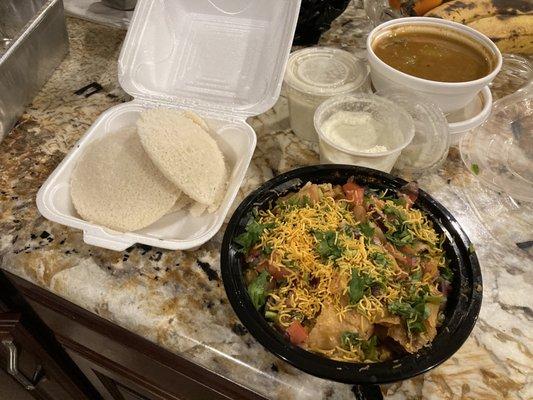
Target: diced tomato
410, 191
408, 253
278, 273
411, 261
430, 267
297, 333
398, 256
253, 256
412, 197
261, 266
354, 193
407, 249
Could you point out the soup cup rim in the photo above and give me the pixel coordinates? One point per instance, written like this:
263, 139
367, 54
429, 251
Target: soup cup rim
466, 30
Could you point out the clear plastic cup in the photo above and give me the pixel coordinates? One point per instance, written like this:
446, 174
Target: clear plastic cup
315, 74
430, 144
362, 129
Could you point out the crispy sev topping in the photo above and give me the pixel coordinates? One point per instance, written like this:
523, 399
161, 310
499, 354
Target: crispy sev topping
330, 257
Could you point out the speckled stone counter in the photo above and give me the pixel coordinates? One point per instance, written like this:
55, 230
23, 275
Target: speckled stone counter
177, 300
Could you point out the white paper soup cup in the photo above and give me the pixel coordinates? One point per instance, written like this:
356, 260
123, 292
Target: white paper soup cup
367, 121
450, 96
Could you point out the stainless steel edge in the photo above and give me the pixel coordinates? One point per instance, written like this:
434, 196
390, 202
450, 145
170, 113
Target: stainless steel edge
35, 40
121, 4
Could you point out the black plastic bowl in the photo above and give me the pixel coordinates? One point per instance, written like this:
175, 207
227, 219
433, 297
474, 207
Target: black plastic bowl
462, 307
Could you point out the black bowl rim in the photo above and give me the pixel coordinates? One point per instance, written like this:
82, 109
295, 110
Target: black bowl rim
353, 373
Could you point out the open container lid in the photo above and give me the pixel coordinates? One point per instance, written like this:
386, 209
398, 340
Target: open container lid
500, 152
217, 56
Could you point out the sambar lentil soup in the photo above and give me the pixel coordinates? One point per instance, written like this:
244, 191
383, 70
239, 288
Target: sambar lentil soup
433, 55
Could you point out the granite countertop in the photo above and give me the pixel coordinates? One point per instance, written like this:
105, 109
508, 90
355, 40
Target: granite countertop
176, 299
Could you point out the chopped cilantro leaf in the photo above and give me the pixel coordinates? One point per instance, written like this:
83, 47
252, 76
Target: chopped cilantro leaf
398, 230
400, 238
327, 247
368, 347
414, 314
446, 273
475, 169
394, 212
350, 338
414, 310
379, 259
399, 201
252, 235
357, 286
366, 229
258, 289
267, 250
417, 275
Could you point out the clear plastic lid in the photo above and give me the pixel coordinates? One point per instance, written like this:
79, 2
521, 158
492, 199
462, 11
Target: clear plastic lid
516, 72
325, 71
492, 207
431, 141
500, 152
219, 56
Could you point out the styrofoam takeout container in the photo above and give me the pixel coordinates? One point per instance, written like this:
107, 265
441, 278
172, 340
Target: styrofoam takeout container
223, 59
449, 96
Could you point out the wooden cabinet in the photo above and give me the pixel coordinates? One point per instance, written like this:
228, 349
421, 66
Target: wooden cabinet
115, 383
119, 364
11, 389
29, 365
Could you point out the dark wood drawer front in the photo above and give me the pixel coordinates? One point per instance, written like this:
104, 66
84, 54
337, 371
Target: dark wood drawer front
115, 359
10, 389
23, 358
120, 364
113, 382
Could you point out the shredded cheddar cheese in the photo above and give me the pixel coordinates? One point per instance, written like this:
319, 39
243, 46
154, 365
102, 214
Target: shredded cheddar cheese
312, 280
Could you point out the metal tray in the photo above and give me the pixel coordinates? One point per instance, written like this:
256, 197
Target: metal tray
121, 4
33, 41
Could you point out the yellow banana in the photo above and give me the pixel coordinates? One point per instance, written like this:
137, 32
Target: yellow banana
465, 11
511, 33
521, 44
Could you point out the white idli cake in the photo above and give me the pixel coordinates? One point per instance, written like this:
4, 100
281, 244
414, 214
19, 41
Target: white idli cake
115, 184
179, 144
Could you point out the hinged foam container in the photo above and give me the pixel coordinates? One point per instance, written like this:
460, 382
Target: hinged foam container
224, 60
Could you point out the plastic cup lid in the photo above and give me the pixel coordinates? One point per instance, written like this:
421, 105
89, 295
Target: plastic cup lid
325, 71
472, 115
500, 152
429, 147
